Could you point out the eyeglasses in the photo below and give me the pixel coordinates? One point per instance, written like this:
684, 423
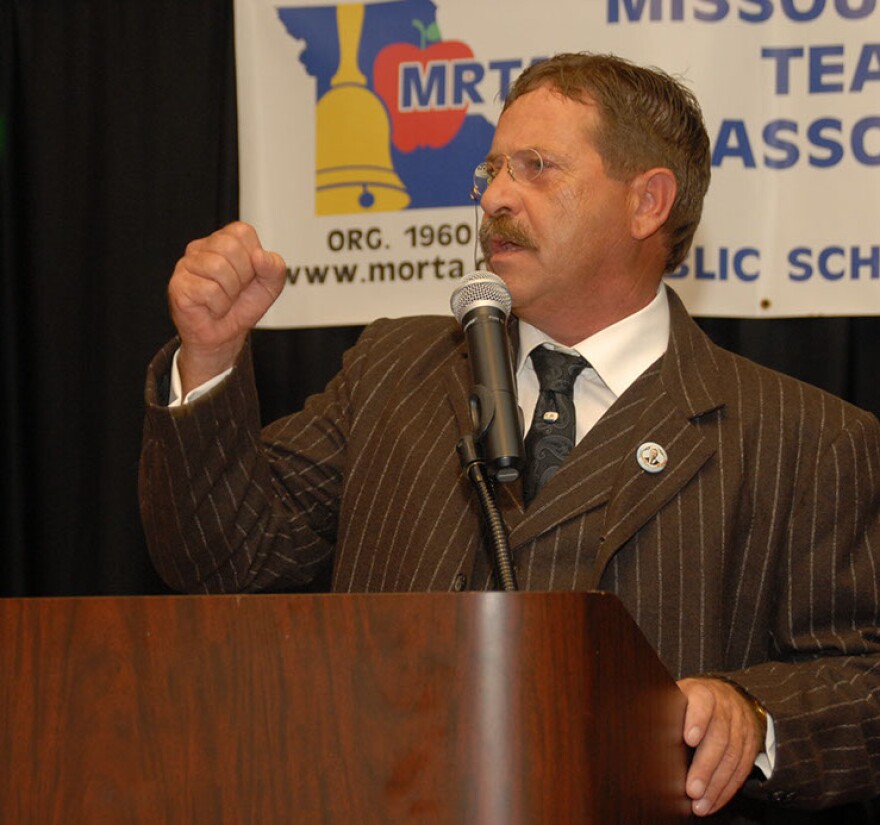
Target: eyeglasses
523, 166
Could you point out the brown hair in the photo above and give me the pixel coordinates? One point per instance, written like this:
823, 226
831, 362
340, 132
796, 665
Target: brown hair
647, 119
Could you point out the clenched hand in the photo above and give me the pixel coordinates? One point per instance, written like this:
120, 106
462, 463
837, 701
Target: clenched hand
220, 288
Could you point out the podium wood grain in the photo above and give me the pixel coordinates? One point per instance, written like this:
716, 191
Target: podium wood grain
449, 708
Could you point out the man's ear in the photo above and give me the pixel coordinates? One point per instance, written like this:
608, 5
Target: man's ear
652, 194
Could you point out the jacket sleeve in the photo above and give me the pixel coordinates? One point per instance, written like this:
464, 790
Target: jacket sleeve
228, 508
822, 681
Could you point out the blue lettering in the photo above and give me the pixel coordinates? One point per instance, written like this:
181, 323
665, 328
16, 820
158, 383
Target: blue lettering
844, 8
858, 141
465, 76
772, 137
727, 264
426, 83
818, 139
783, 58
453, 84
505, 69
872, 261
634, 10
764, 12
750, 11
825, 142
738, 263
831, 263
822, 67
703, 274
722, 8
824, 267
793, 13
864, 72
733, 142
819, 68
799, 258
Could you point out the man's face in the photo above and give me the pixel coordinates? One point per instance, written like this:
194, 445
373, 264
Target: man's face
559, 238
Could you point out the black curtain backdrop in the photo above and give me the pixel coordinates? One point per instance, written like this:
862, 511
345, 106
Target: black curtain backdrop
117, 146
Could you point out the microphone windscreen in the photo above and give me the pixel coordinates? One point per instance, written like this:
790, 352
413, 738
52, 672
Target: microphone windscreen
480, 288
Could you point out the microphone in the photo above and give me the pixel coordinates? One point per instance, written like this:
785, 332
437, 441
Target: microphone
481, 304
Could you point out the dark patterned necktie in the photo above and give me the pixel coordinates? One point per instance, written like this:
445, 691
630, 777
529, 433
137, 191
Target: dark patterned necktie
551, 437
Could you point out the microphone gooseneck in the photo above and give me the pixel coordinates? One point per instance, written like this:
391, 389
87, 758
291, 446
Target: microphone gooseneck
481, 304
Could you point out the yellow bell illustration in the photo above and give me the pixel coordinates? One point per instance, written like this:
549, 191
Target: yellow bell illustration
354, 171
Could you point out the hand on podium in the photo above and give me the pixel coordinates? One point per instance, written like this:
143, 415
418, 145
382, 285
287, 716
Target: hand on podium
722, 725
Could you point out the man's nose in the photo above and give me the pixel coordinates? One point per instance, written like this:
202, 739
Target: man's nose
502, 193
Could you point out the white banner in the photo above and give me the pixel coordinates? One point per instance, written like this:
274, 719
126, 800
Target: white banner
360, 125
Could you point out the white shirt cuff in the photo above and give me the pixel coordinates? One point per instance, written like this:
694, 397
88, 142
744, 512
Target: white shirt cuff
766, 760
174, 399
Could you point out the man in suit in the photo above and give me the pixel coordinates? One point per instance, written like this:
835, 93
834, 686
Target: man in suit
735, 511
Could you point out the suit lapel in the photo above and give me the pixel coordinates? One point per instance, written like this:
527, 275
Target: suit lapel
664, 406
637, 494
682, 418
586, 480
458, 387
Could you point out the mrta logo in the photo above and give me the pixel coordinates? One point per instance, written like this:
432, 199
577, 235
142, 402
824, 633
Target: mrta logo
391, 116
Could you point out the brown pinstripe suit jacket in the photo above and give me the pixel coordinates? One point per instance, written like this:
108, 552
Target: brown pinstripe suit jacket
756, 552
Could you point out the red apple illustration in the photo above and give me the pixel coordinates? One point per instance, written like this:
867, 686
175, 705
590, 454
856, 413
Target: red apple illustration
432, 127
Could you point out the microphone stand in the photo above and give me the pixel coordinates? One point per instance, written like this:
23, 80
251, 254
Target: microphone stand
475, 468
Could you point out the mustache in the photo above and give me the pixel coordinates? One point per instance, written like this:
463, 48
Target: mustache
503, 228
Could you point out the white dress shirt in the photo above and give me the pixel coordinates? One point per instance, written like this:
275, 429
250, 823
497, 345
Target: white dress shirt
617, 356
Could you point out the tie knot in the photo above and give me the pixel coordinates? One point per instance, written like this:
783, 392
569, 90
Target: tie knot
557, 371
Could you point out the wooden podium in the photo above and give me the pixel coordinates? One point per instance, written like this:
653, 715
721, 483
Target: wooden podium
412, 708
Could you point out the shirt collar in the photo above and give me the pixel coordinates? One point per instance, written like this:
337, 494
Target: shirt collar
619, 353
